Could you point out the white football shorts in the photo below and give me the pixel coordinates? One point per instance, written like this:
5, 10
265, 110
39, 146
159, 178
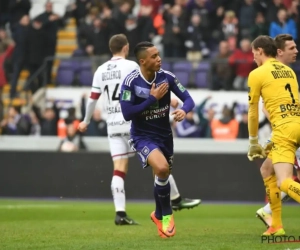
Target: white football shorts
119, 147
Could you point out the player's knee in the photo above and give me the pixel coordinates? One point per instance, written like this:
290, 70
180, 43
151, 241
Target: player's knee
265, 173
266, 169
121, 164
121, 167
163, 171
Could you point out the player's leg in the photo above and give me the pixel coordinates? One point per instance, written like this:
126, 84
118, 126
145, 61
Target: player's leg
156, 215
150, 154
273, 217
272, 211
177, 201
265, 213
284, 173
161, 169
285, 141
119, 152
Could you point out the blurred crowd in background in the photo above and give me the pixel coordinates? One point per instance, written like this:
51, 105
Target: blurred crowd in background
200, 123
215, 31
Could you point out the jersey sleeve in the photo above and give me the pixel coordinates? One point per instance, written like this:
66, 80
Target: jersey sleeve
254, 87
96, 86
94, 96
127, 91
177, 88
127, 100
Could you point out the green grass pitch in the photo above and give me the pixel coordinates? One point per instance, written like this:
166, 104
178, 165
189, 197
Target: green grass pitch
72, 225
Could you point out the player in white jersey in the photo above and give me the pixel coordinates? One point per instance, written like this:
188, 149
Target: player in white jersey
107, 81
286, 53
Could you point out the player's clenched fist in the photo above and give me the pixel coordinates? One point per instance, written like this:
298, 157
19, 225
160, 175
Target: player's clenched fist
160, 91
255, 150
178, 115
82, 127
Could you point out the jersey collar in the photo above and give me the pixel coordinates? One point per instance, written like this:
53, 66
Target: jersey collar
270, 59
150, 83
115, 58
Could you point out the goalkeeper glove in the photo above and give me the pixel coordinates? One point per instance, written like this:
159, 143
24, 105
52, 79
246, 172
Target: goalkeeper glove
268, 146
255, 149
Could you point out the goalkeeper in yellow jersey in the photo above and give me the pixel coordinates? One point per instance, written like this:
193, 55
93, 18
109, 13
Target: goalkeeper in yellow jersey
276, 83
287, 54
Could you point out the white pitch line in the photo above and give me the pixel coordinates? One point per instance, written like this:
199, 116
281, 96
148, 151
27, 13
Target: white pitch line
28, 206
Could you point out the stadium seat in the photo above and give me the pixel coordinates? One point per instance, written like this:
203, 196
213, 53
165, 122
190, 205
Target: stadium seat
85, 64
182, 70
85, 73
78, 53
75, 64
166, 66
85, 77
201, 73
65, 73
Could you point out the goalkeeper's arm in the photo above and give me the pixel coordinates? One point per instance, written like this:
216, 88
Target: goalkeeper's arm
255, 149
253, 120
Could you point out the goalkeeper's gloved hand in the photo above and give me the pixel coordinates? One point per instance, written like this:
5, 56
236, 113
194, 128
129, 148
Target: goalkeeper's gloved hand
255, 149
268, 146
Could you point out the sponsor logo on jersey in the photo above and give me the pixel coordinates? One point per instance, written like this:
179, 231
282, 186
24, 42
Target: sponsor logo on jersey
141, 92
278, 67
118, 123
154, 106
126, 96
179, 85
111, 66
151, 114
113, 110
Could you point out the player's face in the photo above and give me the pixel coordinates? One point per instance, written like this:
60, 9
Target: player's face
289, 54
257, 53
152, 61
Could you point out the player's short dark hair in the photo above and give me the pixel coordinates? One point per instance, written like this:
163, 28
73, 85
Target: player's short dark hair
117, 42
281, 39
267, 44
140, 48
